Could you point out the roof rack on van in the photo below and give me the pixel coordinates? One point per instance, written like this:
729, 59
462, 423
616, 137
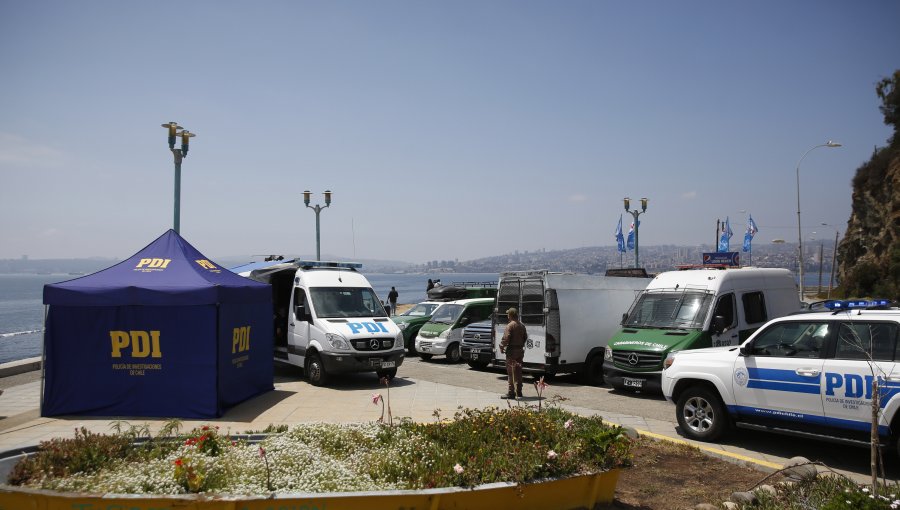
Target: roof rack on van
309, 264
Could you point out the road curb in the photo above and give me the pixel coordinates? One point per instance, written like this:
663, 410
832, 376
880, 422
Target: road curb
20, 366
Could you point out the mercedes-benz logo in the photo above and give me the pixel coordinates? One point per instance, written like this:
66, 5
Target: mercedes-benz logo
374, 344
477, 336
633, 359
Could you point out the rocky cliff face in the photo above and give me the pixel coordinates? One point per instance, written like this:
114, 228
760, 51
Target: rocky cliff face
869, 254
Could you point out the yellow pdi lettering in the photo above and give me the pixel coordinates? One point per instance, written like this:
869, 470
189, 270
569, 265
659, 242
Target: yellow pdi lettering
205, 264
240, 340
143, 343
154, 263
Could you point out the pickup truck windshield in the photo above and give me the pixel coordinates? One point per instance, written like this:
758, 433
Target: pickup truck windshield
447, 314
335, 302
681, 309
421, 310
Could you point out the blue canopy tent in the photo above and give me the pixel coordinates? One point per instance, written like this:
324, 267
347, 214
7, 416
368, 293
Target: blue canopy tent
166, 333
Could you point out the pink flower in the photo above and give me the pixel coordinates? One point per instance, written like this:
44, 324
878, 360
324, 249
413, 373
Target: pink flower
551, 455
459, 469
568, 424
376, 398
541, 384
262, 451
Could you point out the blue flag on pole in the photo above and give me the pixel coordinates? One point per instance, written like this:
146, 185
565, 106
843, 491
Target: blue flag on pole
751, 231
725, 240
630, 243
620, 239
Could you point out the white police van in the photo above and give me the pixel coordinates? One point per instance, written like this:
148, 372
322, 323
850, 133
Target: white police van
809, 374
328, 320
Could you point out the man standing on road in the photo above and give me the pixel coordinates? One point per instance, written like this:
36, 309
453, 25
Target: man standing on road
392, 299
513, 345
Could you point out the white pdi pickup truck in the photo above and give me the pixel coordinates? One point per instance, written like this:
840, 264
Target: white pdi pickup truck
808, 374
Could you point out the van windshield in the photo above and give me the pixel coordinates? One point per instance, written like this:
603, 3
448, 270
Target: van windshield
447, 314
677, 309
334, 302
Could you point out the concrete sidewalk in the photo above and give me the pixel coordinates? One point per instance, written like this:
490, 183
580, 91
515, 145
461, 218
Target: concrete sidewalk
346, 400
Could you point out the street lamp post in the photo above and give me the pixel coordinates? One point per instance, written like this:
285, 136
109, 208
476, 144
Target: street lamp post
833, 258
635, 213
317, 208
179, 154
829, 143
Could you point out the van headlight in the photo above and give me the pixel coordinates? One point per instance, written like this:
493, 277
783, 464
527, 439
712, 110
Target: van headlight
607, 354
402, 325
337, 341
444, 334
670, 359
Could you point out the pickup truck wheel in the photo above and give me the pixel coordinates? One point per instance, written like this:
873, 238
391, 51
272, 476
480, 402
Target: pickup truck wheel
412, 345
390, 373
425, 356
315, 370
592, 373
453, 355
701, 414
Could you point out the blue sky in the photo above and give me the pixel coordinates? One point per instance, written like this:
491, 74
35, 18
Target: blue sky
445, 129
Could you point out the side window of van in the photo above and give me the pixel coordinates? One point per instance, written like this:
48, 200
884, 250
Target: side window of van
754, 307
725, 308
301, 305
859, 340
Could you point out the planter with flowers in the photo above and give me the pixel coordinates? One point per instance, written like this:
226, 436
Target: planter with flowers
490, 458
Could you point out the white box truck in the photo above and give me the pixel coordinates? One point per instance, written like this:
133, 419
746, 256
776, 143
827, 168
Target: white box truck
328, 320
569, 318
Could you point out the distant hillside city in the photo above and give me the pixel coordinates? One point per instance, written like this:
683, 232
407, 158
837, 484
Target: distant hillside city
592, 260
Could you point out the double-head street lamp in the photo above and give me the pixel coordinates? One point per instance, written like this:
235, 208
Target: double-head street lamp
635, 213
829, 143
179, 154
317, 208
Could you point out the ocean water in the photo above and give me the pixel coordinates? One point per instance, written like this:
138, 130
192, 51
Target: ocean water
22, 309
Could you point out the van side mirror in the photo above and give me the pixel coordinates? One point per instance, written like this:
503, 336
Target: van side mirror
301, 313
717, 325
624, 318
746, 349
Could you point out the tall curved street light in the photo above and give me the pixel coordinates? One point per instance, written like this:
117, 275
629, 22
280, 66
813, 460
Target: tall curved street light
318, 209
829, 143
635, 213
179, 154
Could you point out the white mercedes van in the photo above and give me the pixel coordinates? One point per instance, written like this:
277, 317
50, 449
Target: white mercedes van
329, 321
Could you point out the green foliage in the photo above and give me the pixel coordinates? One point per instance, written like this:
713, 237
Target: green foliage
888, 90
829, 493
85, 453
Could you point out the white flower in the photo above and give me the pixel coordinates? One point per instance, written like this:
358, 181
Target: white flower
568, 424
459, 469
551, 455
865, 489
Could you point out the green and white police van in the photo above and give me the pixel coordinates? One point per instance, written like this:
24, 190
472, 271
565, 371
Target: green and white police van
442, 334
691, 309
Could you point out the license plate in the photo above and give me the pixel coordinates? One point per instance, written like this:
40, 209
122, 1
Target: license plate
633, 383
476, 351
474, 355
388, 364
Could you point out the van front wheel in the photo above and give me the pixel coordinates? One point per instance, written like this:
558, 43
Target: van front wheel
592, 373
315, 370
453, 355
